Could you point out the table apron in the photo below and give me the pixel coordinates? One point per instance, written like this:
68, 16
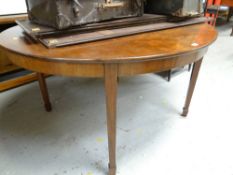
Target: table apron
159, 65
97, 69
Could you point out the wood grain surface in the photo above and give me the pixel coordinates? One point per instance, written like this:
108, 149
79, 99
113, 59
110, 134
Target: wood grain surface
141, 47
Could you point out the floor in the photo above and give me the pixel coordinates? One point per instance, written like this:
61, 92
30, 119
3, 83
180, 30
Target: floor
152, 136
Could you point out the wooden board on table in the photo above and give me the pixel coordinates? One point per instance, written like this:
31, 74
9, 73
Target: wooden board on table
35, 30
78, 38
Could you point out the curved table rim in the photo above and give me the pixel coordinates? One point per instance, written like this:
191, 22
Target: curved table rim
115, 60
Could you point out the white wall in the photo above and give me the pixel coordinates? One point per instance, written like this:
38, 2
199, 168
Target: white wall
12, 7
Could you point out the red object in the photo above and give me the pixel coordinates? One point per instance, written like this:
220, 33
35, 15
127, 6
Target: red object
217, 2
212, 7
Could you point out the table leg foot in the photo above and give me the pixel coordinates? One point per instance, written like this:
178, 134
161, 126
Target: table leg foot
185, 112
112, 170
111, 100
193, 80
44, 92
48, 107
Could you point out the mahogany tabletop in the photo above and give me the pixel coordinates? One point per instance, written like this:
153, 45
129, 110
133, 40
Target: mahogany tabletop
140, 47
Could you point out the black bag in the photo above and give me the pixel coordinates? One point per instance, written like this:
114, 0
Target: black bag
178, 8
62, 14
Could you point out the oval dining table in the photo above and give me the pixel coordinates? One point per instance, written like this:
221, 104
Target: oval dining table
125, 56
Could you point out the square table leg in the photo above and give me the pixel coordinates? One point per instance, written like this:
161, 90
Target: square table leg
44, 91
193, 80
111, 103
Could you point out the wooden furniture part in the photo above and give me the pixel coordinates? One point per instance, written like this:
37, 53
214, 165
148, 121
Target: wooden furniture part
126, 56
10, 19
5, 21
44, 91
6, 67
5, 64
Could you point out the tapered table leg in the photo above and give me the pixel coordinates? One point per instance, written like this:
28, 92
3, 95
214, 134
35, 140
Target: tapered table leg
193, 80
44, 91
190, 67
169, 74
229, 14
111, 100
